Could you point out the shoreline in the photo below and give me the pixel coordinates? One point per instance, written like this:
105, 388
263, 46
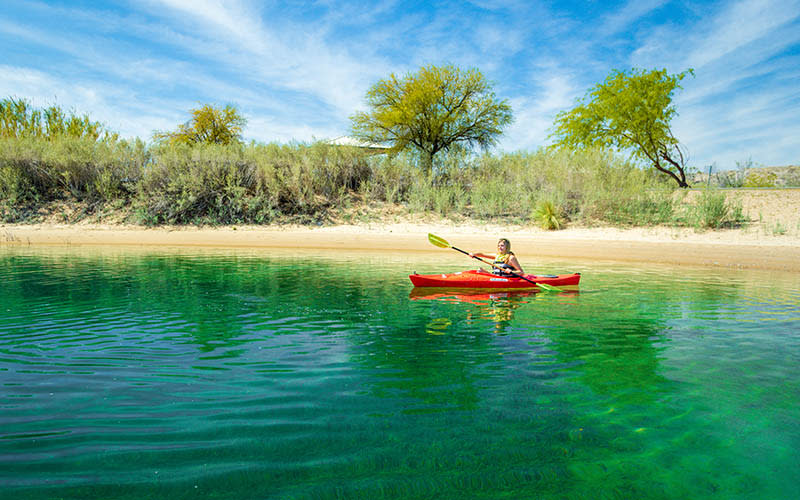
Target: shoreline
732, 249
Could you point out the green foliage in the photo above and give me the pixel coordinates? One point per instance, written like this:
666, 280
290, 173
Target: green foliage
546, 214
391, 178
494, 198
208, 124
433, 110
737, 178
629, 111
19, 119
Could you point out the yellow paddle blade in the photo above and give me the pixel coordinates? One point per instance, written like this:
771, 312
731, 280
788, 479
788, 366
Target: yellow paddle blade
548, 288
439, 242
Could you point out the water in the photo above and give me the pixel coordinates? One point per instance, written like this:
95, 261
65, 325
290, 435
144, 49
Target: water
255, 374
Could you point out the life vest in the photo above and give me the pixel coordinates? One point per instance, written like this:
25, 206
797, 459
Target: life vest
502, 258
501, 261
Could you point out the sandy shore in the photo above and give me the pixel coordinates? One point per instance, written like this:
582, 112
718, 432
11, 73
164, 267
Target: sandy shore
742, 248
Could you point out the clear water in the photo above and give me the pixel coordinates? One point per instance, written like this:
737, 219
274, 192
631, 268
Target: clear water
242, 374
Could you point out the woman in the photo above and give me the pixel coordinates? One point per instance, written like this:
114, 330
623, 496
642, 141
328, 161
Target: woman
504, 259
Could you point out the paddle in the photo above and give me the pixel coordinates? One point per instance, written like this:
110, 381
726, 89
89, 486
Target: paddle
442, 243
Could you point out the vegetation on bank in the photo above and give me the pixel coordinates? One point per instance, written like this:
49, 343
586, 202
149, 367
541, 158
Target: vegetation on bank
174, 183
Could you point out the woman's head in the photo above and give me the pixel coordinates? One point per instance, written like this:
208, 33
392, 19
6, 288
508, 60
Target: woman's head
504, 245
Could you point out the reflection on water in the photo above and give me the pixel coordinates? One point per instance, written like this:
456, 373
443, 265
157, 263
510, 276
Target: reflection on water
495, 306
240, 374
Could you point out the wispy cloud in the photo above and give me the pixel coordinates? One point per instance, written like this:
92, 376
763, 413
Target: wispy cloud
631, 12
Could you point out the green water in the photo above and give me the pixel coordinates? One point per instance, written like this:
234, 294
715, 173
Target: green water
242, 374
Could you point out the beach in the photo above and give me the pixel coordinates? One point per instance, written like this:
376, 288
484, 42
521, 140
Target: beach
749, 248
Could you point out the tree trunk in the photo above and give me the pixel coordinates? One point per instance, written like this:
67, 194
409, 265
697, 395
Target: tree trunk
426, 162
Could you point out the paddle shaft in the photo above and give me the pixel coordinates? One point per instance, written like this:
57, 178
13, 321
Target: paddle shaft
512, 273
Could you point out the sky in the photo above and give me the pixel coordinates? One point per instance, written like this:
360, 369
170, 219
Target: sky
298, 70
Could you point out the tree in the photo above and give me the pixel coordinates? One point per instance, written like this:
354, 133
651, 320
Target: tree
629, 111
432, 110
208, 124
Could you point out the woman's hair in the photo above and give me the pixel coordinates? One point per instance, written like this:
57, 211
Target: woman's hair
508, 244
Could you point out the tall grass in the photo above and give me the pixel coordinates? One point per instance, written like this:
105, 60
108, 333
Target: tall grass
713, 210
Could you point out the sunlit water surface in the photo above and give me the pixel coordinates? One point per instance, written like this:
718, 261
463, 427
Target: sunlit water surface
262, 374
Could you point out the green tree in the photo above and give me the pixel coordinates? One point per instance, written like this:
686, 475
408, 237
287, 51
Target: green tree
630, 112
208, 124
432, 110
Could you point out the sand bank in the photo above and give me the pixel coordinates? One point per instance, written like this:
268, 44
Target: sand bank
746, 249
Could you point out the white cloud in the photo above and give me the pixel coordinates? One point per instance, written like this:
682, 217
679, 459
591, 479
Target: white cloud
103, 103
26, 83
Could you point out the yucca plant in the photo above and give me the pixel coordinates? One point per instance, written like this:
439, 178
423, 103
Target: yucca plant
546, 214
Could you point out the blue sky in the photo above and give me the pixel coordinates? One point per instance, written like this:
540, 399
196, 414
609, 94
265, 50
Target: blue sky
298, 70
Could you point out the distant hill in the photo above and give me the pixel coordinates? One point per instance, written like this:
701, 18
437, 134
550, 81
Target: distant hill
788, 176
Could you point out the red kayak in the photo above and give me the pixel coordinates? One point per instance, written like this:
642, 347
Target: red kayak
482, 279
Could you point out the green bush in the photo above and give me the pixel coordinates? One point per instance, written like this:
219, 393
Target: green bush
757, 178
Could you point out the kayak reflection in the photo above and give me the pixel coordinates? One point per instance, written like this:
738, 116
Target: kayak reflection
497, 307
475, 296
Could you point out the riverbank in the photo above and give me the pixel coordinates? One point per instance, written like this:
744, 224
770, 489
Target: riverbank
749, 248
